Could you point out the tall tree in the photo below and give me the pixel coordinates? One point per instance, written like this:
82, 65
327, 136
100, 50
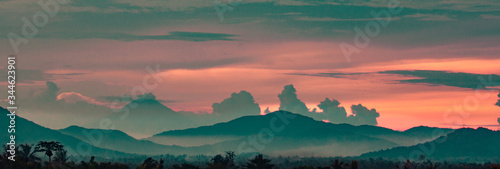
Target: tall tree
48, 148
26, 154
61, 156
259, 162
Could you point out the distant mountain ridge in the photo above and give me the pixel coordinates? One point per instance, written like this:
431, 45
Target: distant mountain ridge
120, 141
297, 135
31, 133
249, 125
300, 132
462, 144
146, 116
252, 124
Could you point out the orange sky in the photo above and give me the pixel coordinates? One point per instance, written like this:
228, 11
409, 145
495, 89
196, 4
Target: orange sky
265, 69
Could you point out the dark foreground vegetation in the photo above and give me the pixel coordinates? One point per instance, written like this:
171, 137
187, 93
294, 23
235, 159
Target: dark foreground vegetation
51, 155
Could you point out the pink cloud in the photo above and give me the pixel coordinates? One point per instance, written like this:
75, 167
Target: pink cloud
73, 97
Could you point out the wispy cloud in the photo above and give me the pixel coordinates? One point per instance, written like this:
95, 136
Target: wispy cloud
430, 77
430, 17
128, 98
463, 80
178, 35
334, 75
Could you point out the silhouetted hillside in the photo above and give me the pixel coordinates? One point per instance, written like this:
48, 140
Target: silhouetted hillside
473, 144
31, 133
120, 141
300, 134
251, 125
284, 133
146, 116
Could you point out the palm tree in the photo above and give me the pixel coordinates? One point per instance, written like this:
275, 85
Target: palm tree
61, 156
259, 162
48, 148
26, 155
5, 153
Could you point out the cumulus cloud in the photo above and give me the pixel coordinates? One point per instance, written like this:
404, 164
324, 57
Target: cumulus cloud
267, 111
332, 111
362, 115
48, 95
69, 108
498, 104
239, 104
290, 102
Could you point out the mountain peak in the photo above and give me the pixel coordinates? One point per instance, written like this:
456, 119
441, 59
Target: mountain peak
148, 103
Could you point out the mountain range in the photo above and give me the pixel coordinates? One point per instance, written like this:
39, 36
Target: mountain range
146, 116
27, 132
469, 144
277, 133
299, 134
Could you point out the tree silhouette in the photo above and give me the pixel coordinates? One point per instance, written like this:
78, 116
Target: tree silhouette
48, 148
151, 163
61, 156
26, 155
407, 165
184, 166
259, 162
430, 165
220, 162
354, 164
338, 164
5, 152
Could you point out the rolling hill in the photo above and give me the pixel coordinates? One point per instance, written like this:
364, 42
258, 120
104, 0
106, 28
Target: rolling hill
277, 133
120, 141
463, 144
31, 133
146, 116
294, 134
